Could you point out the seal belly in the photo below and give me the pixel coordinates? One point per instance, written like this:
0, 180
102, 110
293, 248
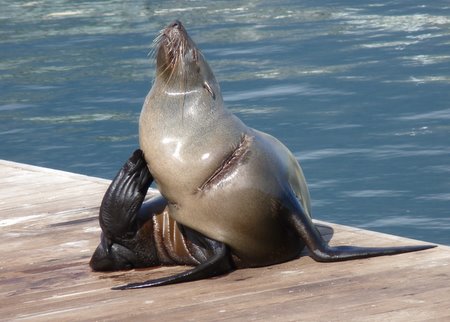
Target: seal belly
255, 227
243, 208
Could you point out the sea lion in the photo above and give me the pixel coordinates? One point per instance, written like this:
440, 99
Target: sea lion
237, 194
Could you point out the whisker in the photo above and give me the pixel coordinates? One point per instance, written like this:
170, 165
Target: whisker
155, 44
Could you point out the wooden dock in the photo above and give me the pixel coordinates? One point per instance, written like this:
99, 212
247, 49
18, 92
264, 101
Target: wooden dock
49, 229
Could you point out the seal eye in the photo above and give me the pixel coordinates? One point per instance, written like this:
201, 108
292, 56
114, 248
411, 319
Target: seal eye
209, 89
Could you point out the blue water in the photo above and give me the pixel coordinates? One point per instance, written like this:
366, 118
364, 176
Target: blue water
358, 90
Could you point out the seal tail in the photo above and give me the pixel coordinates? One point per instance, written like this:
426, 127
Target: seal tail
322, 252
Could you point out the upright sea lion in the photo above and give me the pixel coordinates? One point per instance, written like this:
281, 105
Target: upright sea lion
238, 196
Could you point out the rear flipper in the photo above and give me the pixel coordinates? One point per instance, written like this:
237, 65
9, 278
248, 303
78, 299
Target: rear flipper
322, 252
218, 263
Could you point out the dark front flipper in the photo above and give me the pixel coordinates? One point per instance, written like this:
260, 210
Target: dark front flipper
119, 215
322, 252
124, 197
219, 263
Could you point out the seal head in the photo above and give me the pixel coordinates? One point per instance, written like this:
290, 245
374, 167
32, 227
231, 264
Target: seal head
180, 64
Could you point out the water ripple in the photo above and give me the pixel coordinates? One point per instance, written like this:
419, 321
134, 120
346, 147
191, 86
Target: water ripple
397, 23
410, 221
15, 106
423, 60
255, 110
435, 115
280, 90
96, 117
404, 151
321, 184
328, 153
436, 196
374, 193
383, 152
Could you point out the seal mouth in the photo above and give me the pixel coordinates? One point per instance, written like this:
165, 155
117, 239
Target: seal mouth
173, 45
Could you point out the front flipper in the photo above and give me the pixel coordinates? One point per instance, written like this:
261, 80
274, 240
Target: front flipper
218, 264
123, 199
322, 252
118, 216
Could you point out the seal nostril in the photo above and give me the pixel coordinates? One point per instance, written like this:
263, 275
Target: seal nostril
176, 24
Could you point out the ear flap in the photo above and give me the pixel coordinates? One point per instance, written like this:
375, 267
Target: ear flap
209, 89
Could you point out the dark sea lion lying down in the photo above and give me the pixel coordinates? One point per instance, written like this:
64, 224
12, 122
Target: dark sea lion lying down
232, 197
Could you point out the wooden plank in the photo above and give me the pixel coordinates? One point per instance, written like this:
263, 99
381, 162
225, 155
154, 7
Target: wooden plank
49, 229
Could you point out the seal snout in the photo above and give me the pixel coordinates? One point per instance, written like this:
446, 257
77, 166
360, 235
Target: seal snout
172, 38
176, 24
174, 45
175, 29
